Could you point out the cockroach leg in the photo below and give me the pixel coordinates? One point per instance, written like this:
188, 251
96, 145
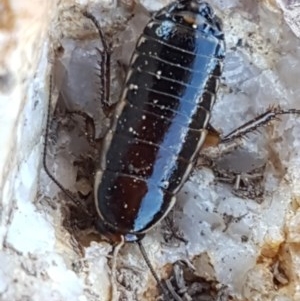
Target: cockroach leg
104, 64
76, 201
263, 119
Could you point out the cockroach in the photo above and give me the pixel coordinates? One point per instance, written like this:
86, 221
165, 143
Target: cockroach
162, 119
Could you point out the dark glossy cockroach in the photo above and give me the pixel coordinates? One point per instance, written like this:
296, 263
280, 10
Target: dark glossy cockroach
161, 121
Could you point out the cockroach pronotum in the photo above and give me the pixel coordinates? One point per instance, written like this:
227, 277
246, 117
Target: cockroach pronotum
162, 119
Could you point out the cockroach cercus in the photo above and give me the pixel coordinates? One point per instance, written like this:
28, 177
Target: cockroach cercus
161, 120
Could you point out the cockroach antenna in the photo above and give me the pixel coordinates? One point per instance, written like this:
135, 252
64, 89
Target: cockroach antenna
164, 290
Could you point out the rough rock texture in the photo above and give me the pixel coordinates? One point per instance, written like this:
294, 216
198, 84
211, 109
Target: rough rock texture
247, 248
